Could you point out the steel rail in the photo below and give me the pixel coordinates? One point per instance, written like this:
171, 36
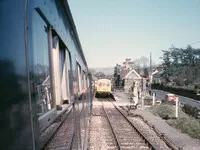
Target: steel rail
114, 133
56, 117
71, 141
43, 145
150, 145
161, 135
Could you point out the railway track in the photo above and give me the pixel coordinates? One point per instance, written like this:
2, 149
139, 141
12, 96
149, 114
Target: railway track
60, 134
126, 136
67, 131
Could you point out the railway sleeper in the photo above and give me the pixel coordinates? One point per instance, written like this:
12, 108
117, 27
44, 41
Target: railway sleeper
110, 140
125, 134
133, 139
109, 136
58, 146
59, 138
111, 144
132, 143
113, 148
60, 142
105, 129
134, 147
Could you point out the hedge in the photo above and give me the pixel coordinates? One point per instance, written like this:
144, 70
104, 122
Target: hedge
185, 123
179, 91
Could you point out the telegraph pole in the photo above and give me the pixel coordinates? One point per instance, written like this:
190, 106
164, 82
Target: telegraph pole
150, 66
150, 63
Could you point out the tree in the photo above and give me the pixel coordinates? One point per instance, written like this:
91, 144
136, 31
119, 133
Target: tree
141, 63
182, 66
115, 72
166, 57
100, 75
175, 55
137, 66
116, 75
146, 73
92, 71
144, 62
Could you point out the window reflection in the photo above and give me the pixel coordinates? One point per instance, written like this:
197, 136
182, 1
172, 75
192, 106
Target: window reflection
41, 76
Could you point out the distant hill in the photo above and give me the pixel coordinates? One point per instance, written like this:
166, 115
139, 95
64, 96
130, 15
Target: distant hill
106, 71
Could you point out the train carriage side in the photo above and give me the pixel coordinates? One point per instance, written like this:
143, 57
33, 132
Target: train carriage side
43, 69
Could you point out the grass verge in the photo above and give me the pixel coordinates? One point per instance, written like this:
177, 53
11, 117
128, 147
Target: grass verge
184, 123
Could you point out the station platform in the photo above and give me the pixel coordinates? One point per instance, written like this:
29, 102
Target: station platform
122, 99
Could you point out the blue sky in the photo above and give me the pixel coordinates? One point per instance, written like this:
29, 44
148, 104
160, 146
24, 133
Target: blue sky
112, 30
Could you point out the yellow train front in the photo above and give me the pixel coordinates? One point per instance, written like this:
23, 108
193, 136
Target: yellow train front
103, 88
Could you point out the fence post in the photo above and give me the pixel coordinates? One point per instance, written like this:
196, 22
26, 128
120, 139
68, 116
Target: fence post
142, 98
153, 99
176, 107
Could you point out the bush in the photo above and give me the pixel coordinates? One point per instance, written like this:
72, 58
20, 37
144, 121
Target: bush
197, 86
164, 111
185, 123
192, 111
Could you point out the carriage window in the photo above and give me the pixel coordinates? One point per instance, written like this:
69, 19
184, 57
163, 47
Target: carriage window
64, 75
40, 66
88, 82
61, 66
100, 84
69, 83
84, 80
